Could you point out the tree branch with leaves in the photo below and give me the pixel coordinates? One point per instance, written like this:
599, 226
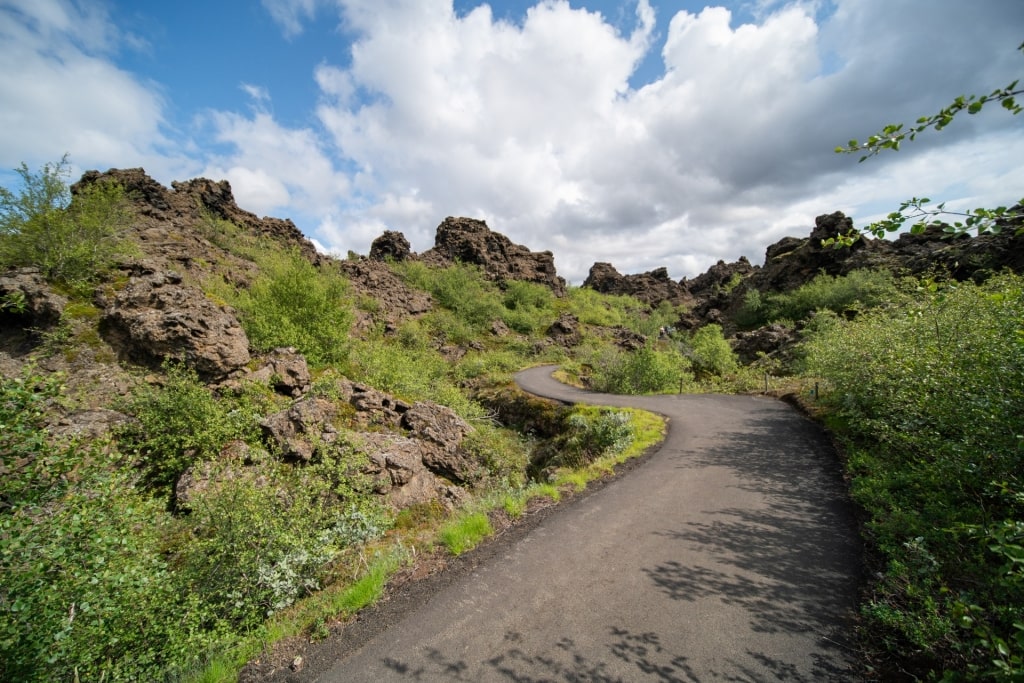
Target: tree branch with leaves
919, 210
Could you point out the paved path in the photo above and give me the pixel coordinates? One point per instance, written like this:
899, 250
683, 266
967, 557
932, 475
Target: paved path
729, 555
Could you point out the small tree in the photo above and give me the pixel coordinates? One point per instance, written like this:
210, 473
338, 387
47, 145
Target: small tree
72, 240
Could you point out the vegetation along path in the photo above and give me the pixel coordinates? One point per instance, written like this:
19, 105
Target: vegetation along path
729, 555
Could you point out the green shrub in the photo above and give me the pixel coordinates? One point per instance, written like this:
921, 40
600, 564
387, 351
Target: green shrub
710, 353
529, 306
461, 289
87, 593
180, 423
930, 395
646, 370
592, 433
860, 289
74, 241
293, 303
261, 542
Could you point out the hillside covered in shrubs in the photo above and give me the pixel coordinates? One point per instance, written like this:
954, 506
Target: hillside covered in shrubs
215, 437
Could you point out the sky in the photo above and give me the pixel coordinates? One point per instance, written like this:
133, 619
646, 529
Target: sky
643, 133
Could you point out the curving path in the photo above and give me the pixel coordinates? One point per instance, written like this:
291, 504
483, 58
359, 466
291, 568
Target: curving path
729, 555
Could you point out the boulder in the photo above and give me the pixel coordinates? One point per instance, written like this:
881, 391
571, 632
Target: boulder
442, 432
628, 340
391, 245
396, 464
393, 301
157, 317
768, 340
31, 298
301, 429
566, 330
285, 370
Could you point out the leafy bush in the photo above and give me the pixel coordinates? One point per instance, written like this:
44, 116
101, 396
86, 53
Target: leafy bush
413, 373
261, 542
646, 370
592, 433
931, 396
73, 241
293, 303
529, 306
86, 592
180, 423
710, 353
859, 289
460, 288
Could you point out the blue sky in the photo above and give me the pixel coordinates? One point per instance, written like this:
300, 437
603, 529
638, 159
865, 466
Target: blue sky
644, 133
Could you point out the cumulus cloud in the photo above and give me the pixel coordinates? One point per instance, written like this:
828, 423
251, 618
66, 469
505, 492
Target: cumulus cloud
62, 92
272, 168
533, 125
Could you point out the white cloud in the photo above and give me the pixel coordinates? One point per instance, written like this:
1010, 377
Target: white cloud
533, 126
62, 93
290, 14
273, 169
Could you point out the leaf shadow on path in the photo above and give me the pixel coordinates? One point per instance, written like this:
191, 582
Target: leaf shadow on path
786, 563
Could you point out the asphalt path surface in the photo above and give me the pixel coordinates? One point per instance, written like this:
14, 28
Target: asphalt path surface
730, 554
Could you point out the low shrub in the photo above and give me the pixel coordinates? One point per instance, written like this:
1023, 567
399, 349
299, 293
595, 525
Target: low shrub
178, 424
860, 289
644, 371
710, 353
294, 303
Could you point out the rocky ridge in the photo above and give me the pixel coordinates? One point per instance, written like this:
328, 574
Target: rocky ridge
158, 311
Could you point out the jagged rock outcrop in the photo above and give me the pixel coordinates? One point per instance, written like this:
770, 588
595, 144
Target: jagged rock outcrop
652, 287
391, 245
31, 298
468, 240
169, 221
395, 300
416, 453
719, 278
627, 339
768, 340
157, 317
442, 432
308, 425
396, 466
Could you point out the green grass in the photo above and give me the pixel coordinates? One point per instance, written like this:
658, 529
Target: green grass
465, 532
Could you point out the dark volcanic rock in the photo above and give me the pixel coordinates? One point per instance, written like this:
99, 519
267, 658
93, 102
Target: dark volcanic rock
169, 218
652, 287
719, 277
396, 301
390, 245
298, 432
566, 330
468, 240
285, 370
42, 306
157, 317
